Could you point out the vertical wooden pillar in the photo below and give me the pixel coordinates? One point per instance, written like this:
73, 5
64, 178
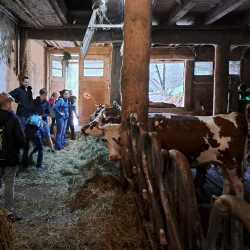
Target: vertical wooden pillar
115, 92
23, 53
135, 75
221, 73
188, 84
245, 68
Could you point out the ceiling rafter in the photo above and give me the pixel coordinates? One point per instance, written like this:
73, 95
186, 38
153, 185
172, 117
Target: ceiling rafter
181, 10
60, 8
223, 9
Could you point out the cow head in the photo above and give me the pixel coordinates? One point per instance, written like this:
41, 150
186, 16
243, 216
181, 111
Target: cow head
110, 132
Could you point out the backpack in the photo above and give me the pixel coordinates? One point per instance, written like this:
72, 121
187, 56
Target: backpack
2, 145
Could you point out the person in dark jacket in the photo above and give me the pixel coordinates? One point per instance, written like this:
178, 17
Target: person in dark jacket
12, 140
41, 107
23, 96
61, 109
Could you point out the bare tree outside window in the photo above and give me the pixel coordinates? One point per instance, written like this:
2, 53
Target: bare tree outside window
167, 82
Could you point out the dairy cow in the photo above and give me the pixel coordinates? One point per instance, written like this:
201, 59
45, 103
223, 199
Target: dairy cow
203, 139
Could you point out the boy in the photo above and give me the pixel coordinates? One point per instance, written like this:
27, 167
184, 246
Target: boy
41, 107
61, 109
12, 139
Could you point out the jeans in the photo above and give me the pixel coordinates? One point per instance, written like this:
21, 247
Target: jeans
9, 177
53, 123
38, 141
61, 126
70, 125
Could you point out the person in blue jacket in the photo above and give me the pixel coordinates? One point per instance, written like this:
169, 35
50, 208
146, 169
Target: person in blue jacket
61, 109
34, 134
42, 107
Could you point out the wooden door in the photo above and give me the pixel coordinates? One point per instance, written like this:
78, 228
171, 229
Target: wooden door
95, 78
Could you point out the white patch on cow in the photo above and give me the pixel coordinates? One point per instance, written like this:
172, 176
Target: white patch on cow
213, 152
157, 123
112, 134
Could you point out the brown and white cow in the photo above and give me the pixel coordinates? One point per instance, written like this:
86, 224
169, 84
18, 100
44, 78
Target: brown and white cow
220, 139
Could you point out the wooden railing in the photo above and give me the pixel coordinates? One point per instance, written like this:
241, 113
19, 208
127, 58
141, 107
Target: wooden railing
166, 196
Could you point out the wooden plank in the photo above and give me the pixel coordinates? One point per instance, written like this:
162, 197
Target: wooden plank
223, 9
181, 10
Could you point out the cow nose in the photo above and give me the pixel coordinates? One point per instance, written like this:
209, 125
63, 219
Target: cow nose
114, 158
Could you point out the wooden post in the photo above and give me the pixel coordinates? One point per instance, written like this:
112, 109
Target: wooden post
221, 72
23, 52
137, 44
245, 68
115, 92
188, 84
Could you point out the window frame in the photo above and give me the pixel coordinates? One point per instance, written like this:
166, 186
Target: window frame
236, 75
55, 68
169, 61
94, 68
204, 75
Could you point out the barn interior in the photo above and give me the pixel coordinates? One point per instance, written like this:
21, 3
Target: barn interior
152, 58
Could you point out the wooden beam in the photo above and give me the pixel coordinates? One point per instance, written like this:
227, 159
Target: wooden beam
136, 58
181, 10
163, 36
223, 9
115, 92
221, 74
60, 9
189, 64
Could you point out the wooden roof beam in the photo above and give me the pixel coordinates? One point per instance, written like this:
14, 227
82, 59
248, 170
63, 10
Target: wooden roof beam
60, 9
181, 10
223, 9
168, 35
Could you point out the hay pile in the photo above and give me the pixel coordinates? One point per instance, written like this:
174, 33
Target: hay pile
7, 233
109, 218
78, 204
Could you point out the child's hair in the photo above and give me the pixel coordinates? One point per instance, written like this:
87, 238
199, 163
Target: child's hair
54, 94
43, 92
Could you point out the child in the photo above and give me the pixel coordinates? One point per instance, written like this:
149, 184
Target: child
52, 102
34, 134
62, 115
12, 140
41, 107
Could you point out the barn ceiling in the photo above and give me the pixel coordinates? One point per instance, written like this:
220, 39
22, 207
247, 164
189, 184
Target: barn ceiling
63, 16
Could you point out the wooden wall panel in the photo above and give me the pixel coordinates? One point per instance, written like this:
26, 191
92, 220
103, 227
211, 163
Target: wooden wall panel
95, 90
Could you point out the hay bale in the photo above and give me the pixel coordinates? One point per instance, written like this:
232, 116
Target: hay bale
7, 234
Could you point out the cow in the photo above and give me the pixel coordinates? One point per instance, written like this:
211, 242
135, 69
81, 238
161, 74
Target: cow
219, 139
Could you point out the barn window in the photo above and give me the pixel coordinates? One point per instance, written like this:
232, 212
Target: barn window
167, 82
57, 68
234, 68
203, 68
93, 68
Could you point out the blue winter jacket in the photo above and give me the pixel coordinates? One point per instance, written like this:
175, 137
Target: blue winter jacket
61, 108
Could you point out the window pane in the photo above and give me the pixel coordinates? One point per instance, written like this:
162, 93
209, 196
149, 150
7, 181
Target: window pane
203, 68
56, 64
234, 67
167, 82
57, 73
94, 64
94, 72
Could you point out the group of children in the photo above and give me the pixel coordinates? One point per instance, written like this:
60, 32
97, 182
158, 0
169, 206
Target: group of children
31, 124
34, 116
